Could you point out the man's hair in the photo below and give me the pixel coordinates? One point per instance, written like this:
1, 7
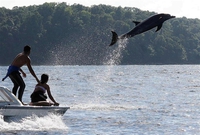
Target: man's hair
27, 48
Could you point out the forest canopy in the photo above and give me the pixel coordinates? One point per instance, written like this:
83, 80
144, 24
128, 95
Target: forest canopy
62, 34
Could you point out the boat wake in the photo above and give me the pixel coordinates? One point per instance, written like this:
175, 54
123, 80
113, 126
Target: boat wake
104, 107
50, 123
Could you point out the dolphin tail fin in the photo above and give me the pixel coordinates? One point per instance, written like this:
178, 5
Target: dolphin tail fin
114, 38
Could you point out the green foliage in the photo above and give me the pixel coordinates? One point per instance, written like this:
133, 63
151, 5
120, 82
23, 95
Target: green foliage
64, 34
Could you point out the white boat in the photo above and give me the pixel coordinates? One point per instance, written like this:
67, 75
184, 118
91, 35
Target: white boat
11, 106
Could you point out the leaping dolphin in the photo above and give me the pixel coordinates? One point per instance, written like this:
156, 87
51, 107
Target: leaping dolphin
151, 22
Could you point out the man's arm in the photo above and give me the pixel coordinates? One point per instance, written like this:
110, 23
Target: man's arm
24, 74
31, 70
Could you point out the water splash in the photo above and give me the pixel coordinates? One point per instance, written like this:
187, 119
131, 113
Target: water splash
33, 123
114, 57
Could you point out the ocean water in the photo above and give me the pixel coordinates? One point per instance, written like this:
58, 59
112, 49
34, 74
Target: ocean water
115, 100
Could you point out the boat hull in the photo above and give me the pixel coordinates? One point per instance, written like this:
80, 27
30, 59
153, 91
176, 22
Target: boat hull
14, 110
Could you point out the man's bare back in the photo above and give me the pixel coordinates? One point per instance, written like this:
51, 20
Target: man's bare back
20, 60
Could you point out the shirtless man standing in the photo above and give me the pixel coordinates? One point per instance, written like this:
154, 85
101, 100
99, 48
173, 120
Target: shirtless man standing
14, 74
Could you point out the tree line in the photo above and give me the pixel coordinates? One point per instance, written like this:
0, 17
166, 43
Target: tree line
65, 34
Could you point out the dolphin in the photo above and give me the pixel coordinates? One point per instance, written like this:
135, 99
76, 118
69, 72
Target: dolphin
151, 22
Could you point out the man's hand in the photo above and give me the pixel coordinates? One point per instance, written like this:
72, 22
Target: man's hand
24, 74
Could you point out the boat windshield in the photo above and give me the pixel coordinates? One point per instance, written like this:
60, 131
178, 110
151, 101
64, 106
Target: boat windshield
4, 97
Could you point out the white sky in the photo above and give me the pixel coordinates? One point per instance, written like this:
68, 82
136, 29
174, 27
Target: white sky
179, 8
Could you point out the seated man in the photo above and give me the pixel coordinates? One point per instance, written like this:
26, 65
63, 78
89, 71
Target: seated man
38, 97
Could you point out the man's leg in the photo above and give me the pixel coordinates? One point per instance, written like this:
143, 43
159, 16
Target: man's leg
15, 83
18, 82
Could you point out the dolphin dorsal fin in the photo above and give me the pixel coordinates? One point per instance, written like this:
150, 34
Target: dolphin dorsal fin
159, 27
136, 22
